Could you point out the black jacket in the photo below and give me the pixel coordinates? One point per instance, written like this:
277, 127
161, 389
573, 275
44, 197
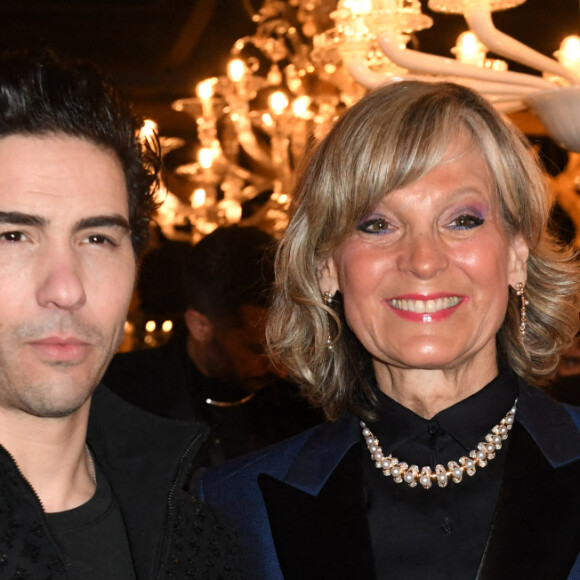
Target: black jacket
147, 461
301, 515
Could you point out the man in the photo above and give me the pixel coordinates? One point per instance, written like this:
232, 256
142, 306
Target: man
216, 369
91, 488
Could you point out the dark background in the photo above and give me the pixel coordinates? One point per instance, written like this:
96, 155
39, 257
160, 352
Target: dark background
158, 50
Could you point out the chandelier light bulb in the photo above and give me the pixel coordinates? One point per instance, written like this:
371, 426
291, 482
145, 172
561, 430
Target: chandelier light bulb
569, 53
469, 50
277, 101
198, 198
204, 89
236, 70
300, 106
205, 157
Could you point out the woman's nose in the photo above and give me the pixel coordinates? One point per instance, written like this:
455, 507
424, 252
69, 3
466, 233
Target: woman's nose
423, 255
60, 284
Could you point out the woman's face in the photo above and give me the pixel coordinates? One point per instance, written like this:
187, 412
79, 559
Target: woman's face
424, 277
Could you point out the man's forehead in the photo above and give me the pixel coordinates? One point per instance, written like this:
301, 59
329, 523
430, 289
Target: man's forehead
49, 170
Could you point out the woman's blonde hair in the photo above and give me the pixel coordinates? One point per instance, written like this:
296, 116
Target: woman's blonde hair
388, 140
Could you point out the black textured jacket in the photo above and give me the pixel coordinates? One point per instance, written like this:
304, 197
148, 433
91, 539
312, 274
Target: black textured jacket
146, 460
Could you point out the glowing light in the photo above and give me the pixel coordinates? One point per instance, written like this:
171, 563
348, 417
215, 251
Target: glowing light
204, 89
198, 198
206, 157
167, 326
277, 101
469, 50
232, 210
569, 53
150, 326
236, 70
300, 106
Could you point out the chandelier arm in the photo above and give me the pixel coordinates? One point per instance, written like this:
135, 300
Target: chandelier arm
496, 91
420, 62
480, 22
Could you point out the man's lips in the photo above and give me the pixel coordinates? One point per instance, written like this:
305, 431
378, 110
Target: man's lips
428, 308
63, 349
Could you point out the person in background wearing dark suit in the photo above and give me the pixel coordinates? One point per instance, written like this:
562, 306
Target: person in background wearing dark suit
216, 369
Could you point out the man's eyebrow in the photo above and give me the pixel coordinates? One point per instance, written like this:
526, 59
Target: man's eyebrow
26, 219
100, 221
21, 219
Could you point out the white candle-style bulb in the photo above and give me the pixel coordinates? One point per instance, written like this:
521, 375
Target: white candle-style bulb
300, 106
569, 53
277, 101
204, 89
236, 70
469, 49
198, 198
205, 157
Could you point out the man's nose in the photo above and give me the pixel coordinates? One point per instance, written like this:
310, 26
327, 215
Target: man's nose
60, 284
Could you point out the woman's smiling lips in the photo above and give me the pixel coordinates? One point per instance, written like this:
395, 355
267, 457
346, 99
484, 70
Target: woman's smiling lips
429, 308
68, 349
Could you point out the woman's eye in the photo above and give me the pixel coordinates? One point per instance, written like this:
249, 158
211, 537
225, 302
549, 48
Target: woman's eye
374, 226
466, 222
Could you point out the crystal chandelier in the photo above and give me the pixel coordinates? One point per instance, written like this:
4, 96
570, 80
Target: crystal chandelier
309, 59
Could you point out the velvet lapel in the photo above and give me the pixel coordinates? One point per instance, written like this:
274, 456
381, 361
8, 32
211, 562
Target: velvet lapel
535, 533
319, 516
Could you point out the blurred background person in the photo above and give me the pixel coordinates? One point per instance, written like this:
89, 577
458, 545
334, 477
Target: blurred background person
420, 302
567, 385
215, 367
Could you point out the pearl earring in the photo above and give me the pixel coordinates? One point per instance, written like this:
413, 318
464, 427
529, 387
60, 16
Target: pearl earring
328, 297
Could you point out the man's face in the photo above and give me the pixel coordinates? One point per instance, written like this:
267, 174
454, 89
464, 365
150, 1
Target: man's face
237, 356
67, 270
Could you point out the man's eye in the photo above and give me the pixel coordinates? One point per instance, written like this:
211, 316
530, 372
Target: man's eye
374, 226
100, 239
12, 236
466, 222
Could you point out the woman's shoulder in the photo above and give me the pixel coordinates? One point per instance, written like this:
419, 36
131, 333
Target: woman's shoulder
318, 444
554, 426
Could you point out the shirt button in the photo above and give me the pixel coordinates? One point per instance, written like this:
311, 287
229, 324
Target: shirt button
433, 428
447, 526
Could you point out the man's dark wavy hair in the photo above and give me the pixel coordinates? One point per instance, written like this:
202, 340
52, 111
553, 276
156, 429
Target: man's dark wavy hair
42, 93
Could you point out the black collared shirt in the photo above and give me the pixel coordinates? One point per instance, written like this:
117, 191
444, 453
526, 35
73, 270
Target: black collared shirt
439, 533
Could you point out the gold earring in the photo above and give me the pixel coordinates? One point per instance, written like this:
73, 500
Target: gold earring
327, 297
519, 288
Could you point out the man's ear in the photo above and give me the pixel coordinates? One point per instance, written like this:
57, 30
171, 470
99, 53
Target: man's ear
518, 261
327, 274
199, 325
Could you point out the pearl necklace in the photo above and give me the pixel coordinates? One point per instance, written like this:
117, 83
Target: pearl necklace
455, 471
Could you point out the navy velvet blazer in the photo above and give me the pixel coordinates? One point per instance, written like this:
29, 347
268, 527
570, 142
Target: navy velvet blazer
299, 510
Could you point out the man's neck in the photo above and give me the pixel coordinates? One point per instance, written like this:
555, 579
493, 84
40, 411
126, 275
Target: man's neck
51, 455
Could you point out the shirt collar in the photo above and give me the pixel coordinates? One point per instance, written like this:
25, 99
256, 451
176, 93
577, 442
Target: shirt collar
467, 421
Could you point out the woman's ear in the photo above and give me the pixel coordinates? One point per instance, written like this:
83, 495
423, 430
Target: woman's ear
518, 261
199, 325
327, 274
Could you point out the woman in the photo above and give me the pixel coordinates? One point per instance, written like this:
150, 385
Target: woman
420, 300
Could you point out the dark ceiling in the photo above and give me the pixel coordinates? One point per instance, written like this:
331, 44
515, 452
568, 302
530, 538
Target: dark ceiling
159, 49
